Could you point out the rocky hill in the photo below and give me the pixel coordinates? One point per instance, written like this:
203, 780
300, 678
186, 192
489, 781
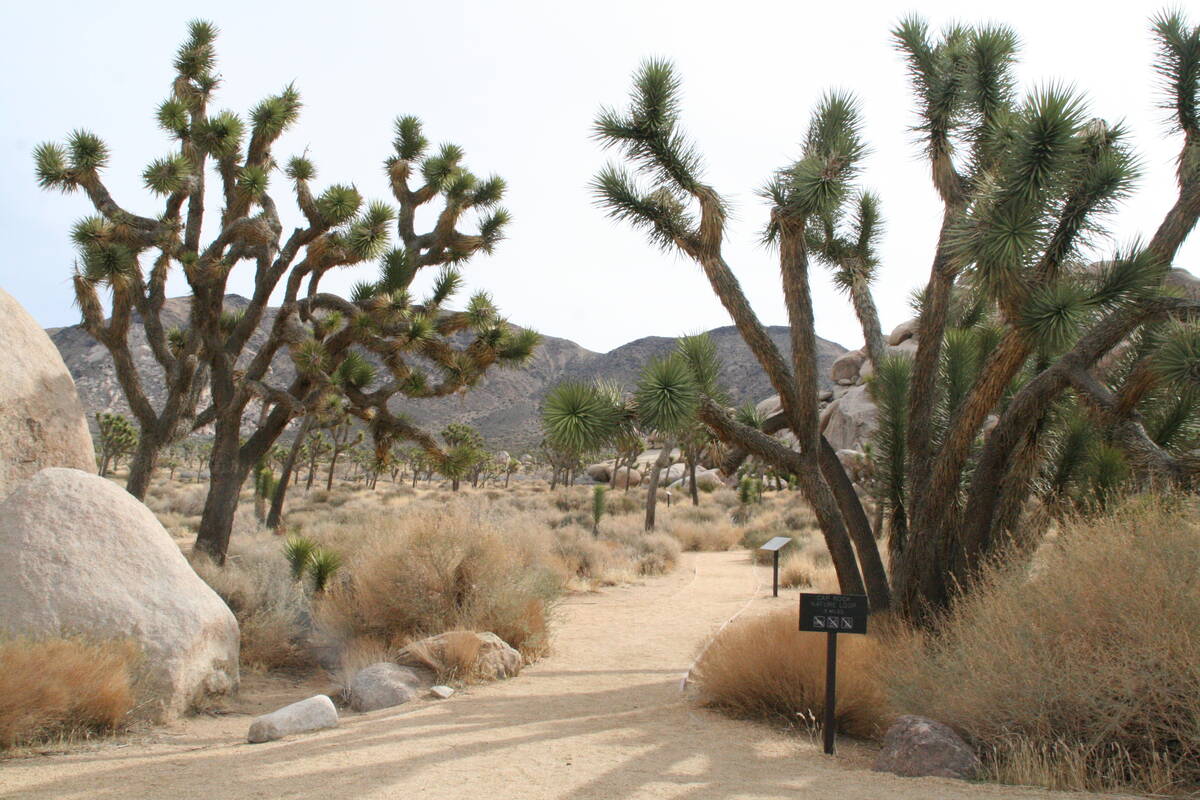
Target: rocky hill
505, 404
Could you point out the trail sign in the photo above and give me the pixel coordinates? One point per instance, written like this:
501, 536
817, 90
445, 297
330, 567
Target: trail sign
773, 547
832, 614
840, 613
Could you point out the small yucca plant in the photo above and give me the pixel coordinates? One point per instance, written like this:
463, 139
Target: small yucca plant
298, 550
322, 565
598, 503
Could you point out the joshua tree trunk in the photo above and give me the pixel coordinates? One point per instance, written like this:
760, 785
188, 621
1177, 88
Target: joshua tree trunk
141, 466
660, 463
227, 474
275, 515
691, 469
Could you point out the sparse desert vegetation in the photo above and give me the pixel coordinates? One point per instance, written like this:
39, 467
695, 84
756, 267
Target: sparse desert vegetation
333, 497
64, 688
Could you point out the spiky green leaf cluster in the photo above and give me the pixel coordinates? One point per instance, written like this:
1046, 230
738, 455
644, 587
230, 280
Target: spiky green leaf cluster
648, 136
167, 175
272, 116
818, 183
354, 371
577, 418
221, 135
339, 203
666, 394
410, 143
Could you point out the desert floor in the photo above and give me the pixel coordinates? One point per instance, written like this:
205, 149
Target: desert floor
603, 716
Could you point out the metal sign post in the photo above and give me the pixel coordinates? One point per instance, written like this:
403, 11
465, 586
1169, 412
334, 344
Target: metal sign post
832, 614
773, 547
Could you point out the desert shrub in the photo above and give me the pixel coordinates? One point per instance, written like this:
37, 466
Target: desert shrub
657, 553
456, 659
580, 518
63, 687
725, 498
271, 607
445, 568
582, 555
620, 503
1083, 673
796, 572
756, 537
764, 668
714, 535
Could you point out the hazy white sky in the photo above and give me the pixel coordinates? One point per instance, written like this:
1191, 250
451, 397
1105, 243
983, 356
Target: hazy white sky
517, 85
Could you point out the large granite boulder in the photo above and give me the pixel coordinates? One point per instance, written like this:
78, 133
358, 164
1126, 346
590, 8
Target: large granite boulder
627, 477
902, 332
916, 747
314, 714
847, 366
385, 684
493, 658
849, 421
41, 419
78, 555
600, 473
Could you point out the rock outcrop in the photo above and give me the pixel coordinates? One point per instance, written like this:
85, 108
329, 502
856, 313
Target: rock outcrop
493, 657
314, 714
850, 420
78, 555
600, 473
385, 684
42, 422
916, 747
627, 477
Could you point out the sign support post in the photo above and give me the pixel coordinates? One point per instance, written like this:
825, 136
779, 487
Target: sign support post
773, 547
832, 614
829, 729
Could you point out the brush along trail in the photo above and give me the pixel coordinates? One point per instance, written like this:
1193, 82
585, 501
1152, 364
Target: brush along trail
601, 717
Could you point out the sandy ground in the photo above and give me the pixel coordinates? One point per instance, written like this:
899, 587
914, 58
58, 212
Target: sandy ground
602, 717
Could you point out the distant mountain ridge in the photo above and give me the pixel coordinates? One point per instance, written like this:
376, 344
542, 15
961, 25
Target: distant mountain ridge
504, 405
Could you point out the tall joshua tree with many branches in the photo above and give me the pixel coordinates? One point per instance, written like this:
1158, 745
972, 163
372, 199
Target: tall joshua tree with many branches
679, 211
333, 342
1024, 183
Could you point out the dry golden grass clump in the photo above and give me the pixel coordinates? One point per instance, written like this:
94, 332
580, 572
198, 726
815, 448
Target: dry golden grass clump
272, 608
1085, 673
763, 667
63, 688
438, 569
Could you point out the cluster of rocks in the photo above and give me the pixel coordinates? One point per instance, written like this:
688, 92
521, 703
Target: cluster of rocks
81, 557
387, 684
674, 477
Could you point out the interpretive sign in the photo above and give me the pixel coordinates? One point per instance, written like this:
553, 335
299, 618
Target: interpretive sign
773, 547
832, 614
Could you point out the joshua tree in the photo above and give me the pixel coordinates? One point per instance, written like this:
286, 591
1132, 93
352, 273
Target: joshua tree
669, 200
1009, 320
319, 332
116, 437
581, 418
464, 452
286, 470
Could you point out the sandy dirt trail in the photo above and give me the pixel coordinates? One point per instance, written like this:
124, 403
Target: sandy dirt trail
601, 717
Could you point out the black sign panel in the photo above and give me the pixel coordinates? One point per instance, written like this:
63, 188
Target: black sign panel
833, 613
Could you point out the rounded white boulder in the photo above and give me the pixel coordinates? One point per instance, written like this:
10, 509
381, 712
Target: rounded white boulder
41, 419
80, 556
